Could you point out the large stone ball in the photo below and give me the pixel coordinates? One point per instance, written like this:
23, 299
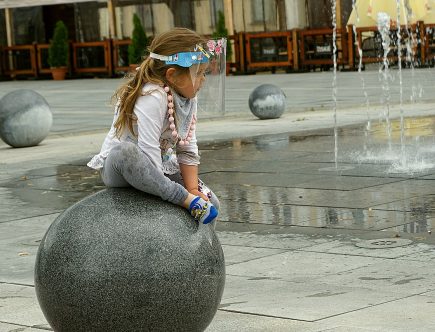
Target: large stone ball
25, 118
267, 101
121, 260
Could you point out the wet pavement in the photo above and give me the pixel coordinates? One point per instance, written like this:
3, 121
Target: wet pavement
312, 241
294, 181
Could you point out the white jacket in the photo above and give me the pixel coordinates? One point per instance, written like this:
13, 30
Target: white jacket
153, 134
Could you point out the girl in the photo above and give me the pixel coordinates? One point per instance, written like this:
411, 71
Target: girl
151, 144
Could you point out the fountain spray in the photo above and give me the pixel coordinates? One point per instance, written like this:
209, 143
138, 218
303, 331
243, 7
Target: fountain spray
363, 84
384, 30
334, 80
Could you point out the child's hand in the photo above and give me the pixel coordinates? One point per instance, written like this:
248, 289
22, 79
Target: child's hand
196, 192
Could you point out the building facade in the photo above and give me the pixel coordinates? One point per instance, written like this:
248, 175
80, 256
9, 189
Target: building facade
33, 21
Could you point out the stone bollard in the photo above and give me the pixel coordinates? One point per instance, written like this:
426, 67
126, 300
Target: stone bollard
121, 260
25, 118
267, 101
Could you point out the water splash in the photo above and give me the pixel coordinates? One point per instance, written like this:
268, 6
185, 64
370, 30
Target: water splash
334, 80
363, 84
416, 166
399, 59
384, 30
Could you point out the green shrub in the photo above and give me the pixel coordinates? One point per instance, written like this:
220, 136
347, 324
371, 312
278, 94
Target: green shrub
139, 42
58, 50
222, 32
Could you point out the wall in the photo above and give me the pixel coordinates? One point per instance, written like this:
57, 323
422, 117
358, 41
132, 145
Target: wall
161, 14
296, 16
3, 41
202, 17
319, 14
244, 17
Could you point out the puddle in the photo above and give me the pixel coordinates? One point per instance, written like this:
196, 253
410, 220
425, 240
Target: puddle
289, 181
46, 190
293, 180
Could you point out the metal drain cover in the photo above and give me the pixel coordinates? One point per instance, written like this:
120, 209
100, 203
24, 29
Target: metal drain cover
383, 243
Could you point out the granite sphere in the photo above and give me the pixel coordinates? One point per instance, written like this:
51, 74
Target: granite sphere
267, 101
122, 260
25, 118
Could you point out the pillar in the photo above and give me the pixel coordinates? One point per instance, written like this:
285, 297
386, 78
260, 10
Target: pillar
112, 18
282, 15
228, 12
338, 14
10, 40
9, 27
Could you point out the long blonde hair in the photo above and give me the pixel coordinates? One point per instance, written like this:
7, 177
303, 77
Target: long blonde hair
151, 70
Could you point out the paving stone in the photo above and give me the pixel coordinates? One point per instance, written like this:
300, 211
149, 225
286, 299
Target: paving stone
18, 305
402, 315
273, 241
309, 265
238, 254
18, 252
349, 248
233, 321
399, 277
293, 300
20, 328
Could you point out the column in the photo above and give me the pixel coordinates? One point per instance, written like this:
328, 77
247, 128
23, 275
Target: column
282, 15
9, 26
338, 14
10, 36
228, 12
112, 18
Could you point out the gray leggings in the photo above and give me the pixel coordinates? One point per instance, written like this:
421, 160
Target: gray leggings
126, 165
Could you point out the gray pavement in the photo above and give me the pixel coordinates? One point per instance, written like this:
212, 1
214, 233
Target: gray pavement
310, 245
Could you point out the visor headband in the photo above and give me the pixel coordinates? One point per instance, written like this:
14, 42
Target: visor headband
160, 57
183, 59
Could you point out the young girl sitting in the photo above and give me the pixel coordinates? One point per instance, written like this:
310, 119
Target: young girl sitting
152, 144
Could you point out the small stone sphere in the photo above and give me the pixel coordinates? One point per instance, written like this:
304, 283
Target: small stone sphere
122, 260
267, 101
25, 118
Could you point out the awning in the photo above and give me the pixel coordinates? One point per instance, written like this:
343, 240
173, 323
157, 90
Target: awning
367, 11
34, 3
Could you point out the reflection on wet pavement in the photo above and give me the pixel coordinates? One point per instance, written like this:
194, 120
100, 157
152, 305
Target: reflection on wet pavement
46, 190
274, 180
294, 181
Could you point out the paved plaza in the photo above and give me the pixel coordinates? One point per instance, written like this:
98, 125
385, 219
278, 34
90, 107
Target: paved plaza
315, 239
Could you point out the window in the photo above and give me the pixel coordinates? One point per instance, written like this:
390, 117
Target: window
263, 11
258, 10
147, 17
215, 7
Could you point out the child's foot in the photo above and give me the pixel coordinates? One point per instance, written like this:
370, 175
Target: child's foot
202, 211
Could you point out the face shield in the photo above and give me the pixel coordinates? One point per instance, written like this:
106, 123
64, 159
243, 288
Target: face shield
207, 69
211, 79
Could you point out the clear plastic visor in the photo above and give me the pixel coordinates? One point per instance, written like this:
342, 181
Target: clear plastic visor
208, 78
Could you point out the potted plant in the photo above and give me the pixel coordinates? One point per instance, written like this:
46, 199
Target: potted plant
139, 42
58, 51
222, 32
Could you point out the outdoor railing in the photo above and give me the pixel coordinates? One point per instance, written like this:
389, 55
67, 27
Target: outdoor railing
268, 50
252, 52
19, 60
316, 48
429, 44
369, 40
120, 55
42, 59
92, 57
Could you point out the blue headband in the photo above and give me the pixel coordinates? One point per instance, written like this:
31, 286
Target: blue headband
183, 59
